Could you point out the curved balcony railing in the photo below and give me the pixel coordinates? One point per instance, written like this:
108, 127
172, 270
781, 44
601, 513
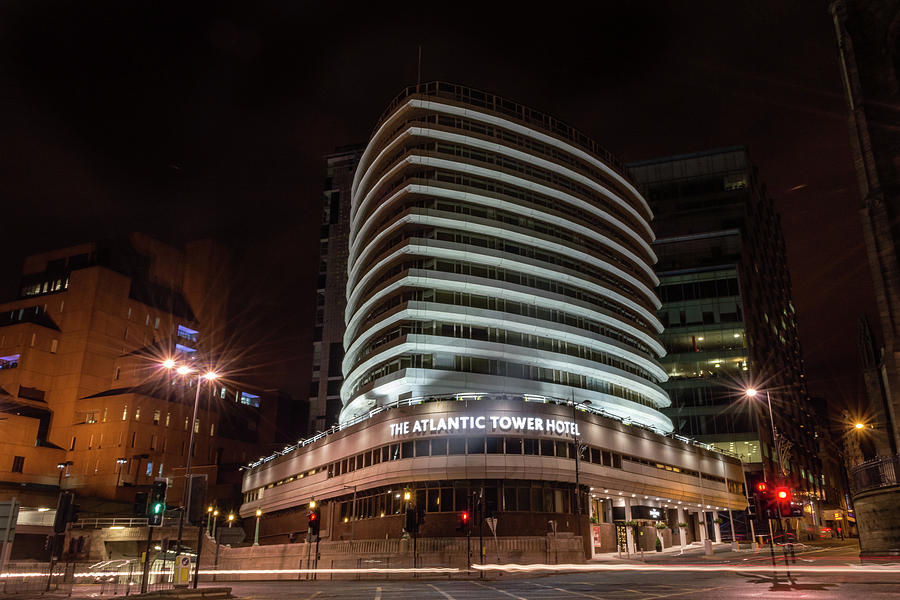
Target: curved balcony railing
877, 473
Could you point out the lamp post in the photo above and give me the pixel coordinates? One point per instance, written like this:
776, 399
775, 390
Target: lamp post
120, 464
184, 370
209, 513
63, 468
256, 535
751, 393
575, 406
215, 518
230, 519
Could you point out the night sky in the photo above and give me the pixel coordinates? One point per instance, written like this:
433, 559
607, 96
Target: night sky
185, 119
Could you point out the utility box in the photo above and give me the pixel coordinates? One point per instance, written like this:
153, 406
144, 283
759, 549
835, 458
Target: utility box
182, 570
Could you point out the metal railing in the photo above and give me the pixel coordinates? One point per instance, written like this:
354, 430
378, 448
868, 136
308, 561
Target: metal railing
873, 474
110, 522
99, 578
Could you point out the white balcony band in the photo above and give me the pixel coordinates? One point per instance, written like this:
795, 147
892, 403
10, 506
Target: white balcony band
476, 115
453, 282
460, 252
362, 239
431, 311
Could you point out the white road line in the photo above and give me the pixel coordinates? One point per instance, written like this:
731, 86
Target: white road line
441, 592
490, 587
378, 593
692, 591
574, 593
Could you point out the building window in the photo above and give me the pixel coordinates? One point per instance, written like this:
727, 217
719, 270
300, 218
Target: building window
33, 339
156, 323
54, 344
18, 464
168, 418
72, 445
149, 471
133, 438
128, 314
105, 413
147, 320
212, 429
156, 415
197, 426
118, 372
125, 413
91, 441
9, 362
153, 442
186, 421
137, 414
160, 470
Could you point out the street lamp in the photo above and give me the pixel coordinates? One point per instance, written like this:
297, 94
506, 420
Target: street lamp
215, 519
63, 467
120, 464
256, 535
230, 519
184, 370
751, 393
575, 406
209, 513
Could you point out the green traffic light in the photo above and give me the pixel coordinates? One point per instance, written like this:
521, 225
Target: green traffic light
157, 508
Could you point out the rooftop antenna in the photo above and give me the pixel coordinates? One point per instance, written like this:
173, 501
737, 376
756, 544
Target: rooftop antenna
419, 73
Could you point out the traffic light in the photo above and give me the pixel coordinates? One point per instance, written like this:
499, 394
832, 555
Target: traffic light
763, 501
156, 507
464, 521
314, 521
783, 501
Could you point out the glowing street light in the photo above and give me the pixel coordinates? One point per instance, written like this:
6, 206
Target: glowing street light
750, 392
256, 535
209, 376
859, 425
230, 519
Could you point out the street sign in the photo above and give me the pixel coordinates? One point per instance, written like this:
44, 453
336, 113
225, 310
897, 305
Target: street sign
492, 523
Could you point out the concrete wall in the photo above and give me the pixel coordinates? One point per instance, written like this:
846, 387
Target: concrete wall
394, 553
878, 521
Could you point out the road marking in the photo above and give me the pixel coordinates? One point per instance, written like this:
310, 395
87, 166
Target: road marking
441, 592
490, 587
378, 593
568, 591
692, 591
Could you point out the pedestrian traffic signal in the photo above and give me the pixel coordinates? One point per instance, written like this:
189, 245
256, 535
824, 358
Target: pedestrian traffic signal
762, 487
156, 507
314, 522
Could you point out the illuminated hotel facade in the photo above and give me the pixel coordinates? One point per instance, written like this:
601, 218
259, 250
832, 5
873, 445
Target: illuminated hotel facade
500, 311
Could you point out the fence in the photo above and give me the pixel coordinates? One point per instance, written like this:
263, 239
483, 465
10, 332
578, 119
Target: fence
103, 578
876, 473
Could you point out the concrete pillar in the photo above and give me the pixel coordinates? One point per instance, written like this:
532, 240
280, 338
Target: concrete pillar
609, 511
718, 529
629, 534
701, 518
682, 535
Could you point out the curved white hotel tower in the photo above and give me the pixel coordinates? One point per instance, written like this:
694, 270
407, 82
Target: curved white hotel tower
495, 251
501, 346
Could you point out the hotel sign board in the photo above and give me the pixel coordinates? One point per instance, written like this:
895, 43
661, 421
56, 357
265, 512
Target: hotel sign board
488, 423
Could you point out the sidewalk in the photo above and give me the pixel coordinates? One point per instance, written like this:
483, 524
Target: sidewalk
721, 552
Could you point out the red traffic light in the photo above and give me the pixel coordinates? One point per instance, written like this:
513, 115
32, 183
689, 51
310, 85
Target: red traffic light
465, 517
313, 516
782, 494
762, 486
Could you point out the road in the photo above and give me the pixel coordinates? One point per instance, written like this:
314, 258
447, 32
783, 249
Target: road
828, 570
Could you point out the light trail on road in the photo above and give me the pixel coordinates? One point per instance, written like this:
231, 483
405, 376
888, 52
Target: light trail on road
587, 568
